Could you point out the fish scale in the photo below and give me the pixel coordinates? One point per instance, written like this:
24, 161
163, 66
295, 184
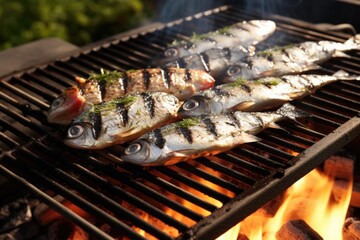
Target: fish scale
257, 95
121, 120
183, 83
290, 59
245, 34
203, 135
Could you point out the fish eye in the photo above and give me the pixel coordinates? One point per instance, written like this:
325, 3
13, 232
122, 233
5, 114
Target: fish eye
75, 131
133, 148
190, 104
233, 70
58, 102
171, 52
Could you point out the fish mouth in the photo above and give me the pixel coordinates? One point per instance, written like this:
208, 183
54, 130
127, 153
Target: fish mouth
72, 106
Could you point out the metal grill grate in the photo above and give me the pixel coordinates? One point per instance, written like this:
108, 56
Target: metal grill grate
208, 195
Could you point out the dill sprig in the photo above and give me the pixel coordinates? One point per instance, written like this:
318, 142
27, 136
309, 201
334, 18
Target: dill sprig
240, 81
107, 76
185, 123
268, 81
111, 105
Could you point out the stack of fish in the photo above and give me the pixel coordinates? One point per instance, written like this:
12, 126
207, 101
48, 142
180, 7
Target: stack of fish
173, 112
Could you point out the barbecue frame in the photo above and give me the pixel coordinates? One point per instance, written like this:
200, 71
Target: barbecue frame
232, 211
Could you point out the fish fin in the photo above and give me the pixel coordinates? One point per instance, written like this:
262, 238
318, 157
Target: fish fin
80, 80
289, 111
341, 73
243, 106
177, 156
280, 72
341, 54
354, 42
248, 138
276, 126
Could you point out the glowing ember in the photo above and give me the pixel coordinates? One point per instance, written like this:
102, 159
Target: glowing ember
309, 199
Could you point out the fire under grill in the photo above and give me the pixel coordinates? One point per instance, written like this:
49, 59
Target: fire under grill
209, 195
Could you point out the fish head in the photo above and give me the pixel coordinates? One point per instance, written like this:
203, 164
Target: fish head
80, 135
195, 106
66, 106
145, 153
207, 81
170, 54
264, 27
142, 152
236, 72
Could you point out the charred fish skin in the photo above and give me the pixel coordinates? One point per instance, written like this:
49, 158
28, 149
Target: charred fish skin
290, 59
213, 61
203, 135
120, 120
180, 82
108, 85
245, 34
257, 95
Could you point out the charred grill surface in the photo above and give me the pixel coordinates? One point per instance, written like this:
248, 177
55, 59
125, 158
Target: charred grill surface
209, 194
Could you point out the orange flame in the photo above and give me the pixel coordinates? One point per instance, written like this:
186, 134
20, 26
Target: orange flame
309, 199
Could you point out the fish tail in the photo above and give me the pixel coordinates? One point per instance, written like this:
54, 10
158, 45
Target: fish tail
353, 43
289, 111
343, 75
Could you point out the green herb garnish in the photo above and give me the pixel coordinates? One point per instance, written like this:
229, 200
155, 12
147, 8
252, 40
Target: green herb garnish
268, 81
237, 83
107, 76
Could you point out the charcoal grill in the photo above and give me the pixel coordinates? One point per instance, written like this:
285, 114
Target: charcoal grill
119, 195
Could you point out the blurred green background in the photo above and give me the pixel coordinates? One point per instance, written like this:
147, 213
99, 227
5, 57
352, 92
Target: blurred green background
79, 22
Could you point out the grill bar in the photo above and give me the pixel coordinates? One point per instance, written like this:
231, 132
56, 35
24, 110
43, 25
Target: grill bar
194, 199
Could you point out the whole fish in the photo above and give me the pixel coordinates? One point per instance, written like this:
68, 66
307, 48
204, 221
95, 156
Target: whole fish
245, 34
183, 83
202, 136
294, 58
214, 61
257, 95
121, 119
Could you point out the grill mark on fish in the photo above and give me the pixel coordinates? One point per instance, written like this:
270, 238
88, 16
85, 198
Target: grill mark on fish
95, 121
246, 88
233, 119
285, 80
309, 81
123, 112
166, 77
102, 89
205, 61
227, 53
188, 76
124, 83
159, 138
181, 63
285, 52
149, 103
210, 126
146, 78
220, 92
186, 133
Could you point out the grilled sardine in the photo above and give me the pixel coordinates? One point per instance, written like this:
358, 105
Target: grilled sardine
120, 120
203, 135
214, 61
257, 95
290, 59
245, 34
183, 83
